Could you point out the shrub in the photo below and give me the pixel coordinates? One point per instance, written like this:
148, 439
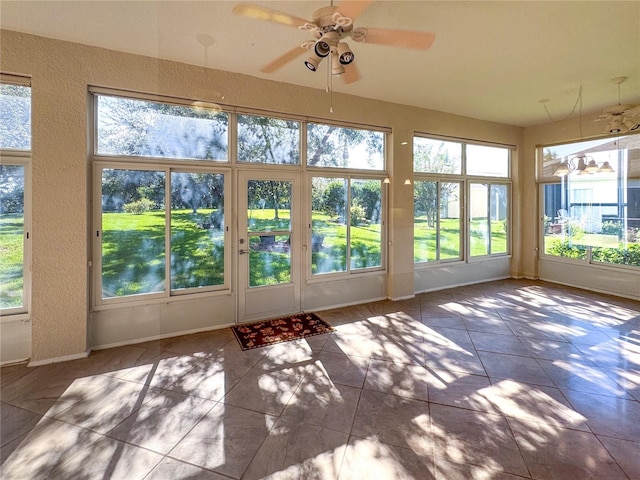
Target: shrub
138, 207
357, 214
564, 248
612, 228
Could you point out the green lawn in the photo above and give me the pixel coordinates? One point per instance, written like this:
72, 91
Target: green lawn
11, 260
133, 250
425, 239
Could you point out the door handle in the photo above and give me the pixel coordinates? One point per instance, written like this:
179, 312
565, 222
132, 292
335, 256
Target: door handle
242, 251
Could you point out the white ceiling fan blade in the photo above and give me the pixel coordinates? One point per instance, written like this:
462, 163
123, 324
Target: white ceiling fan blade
351, 74
283, 59
353, 8
269, 15
399, 38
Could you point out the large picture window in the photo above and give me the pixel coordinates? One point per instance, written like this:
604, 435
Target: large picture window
592, 210
135, 226
15, 160
346, 224
446, 183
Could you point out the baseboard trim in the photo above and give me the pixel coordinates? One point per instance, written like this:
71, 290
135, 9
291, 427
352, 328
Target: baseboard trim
405, 297
66, 358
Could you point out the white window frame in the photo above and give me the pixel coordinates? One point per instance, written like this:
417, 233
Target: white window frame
465, 210
21, 158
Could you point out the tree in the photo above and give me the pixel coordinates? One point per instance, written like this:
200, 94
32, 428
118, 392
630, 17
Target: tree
332, 146
141, 128
15, 117
426, 159
334, 198
11, 189
367, 194
275, 193
268, 140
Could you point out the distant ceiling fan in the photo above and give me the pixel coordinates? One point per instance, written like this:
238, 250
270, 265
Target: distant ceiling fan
619, 117
329, 27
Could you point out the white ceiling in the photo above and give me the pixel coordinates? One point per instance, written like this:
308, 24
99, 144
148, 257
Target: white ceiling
490, 60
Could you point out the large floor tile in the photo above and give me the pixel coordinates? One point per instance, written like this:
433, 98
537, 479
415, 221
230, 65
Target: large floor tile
498, 343
170, 468
512, 367
105, 409
49, 444
581, 377
394, 420
296, 450
459, 389
162, 421
534, 403
16, 422
320, 402
475, 438
264, 391
108, 458
374, 460
626, 453
555, 453
611, 416
410, 381
225, 440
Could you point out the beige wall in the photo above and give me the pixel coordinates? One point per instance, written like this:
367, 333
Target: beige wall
61, 73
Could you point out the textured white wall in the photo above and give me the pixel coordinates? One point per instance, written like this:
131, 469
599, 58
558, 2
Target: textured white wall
61, 72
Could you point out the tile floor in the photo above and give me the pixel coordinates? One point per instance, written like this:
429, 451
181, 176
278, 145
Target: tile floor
504, 380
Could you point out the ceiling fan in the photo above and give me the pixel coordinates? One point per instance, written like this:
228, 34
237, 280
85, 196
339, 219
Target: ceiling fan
619, 116
329, 27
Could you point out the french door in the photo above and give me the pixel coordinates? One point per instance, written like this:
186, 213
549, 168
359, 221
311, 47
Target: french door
268, 244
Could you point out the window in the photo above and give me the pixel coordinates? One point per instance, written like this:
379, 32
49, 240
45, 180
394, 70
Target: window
15, 146
346, 224
268, 140
593, 217
131, 127
436, 156
332, 146
15, 117
347, 211
439, 184
134, 223
161, 230
488, 219
437, 221
485, 161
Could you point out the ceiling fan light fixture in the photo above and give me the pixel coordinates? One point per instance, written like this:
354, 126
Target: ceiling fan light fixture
345, 54
615, 126
312, 63
562, 170
606, 168
322, 47
337, 68
592, 167
631, 125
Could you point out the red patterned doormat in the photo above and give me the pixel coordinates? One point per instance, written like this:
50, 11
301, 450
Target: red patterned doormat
276, 330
